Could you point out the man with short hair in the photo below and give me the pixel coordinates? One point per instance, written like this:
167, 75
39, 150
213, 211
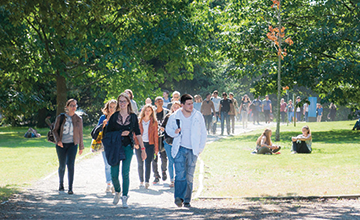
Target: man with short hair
224, 109
160, 115
216, 100
267, 109
187, 127
175, 97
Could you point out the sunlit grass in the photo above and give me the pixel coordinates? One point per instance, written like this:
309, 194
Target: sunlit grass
330, 169
25, 160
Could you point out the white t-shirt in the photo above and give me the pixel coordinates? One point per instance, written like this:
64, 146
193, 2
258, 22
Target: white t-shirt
216, 102
185, 131
145, 135
306, 107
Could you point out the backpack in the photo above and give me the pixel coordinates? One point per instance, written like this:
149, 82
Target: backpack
50, 135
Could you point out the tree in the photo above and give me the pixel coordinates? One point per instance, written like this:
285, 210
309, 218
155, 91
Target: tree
324, 56
106, 45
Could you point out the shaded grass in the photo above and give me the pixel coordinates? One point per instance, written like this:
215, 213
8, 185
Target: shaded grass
330, 169
25, 160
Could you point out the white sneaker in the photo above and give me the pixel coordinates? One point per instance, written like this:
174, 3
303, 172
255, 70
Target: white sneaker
112, 189
147, 185
108, 189
124, 201
141, 186
116, 198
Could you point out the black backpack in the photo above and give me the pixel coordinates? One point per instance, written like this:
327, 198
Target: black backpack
50, 135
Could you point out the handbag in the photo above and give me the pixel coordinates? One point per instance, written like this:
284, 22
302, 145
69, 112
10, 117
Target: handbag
96, 130
50, 135
96, 144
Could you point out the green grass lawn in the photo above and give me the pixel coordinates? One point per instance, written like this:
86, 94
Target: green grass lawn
331, 169
25, 160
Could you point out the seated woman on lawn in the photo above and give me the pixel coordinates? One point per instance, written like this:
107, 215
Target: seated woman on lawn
264, 145
302, 142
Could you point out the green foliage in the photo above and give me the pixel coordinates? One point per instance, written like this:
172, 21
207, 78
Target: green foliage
324, 56
100, 46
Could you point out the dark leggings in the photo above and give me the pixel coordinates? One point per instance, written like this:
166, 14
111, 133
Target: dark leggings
150, 156
208, 121
66, 156
163, 157
300, 147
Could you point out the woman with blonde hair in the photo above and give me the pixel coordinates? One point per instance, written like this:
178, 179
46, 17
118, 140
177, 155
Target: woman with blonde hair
149, 132
198, 102
108, 110
124, 120
264, 144
302, 142
68, 134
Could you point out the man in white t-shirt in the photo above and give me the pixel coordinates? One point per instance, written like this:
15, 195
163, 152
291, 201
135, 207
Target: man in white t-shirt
216, 100
187, 127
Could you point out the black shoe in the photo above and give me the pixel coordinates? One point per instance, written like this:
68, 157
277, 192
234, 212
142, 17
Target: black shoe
61, 188
70, 192
164, 176
156, 180
187, 205
178, 202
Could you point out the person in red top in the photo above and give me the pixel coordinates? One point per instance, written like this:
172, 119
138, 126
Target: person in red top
283, 110
149, 131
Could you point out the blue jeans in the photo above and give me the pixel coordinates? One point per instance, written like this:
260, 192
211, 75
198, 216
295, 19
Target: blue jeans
225, 116
66, 156
171, 160
215, 123
107, 169
290, 116
185, 163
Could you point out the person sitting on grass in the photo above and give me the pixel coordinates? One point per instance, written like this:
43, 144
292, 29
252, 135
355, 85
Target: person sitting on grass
357, 125
302, 142
264, 145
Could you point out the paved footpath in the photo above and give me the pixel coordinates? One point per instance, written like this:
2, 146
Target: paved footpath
43, 201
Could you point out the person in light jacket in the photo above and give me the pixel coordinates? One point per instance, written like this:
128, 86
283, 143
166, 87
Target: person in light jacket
68, 136
187, 127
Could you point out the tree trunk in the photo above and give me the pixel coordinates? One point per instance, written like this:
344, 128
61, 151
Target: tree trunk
41, 118
277, 138
61, 94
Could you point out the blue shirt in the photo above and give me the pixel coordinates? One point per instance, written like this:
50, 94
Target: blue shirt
257, 104
197, 105
102, 118
266, 104
319, 111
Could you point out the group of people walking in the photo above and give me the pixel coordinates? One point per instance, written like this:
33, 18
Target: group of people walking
178, 135
174, 129
296, 111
